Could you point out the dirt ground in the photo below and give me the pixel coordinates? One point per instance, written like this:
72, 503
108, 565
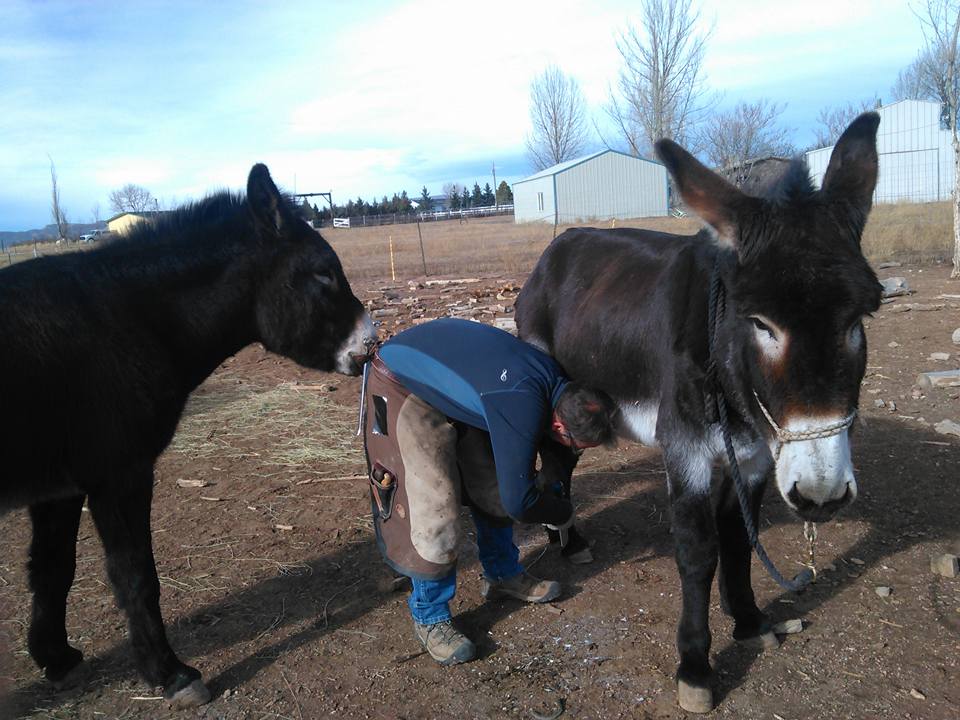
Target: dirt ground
273, 587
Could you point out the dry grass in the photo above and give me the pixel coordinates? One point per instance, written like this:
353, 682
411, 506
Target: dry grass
480, 245
910, 232
288, 428
907, 232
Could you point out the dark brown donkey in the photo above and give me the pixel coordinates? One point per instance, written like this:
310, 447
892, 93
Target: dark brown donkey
100, 351
626, 311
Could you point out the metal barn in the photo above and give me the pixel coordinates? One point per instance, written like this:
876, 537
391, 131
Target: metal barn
916, 157
605, 185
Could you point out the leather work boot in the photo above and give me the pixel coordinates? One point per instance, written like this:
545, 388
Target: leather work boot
522, 587
446, 644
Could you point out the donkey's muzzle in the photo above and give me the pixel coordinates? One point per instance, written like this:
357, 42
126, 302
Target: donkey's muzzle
816, 512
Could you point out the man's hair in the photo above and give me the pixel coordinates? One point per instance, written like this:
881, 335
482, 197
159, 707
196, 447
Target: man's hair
588, 414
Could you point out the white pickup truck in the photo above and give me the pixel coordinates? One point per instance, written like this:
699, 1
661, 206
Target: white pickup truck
93, 235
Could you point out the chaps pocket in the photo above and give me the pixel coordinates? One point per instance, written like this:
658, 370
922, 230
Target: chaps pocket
383, 486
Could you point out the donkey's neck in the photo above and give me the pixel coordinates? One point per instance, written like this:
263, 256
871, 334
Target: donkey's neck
199, 309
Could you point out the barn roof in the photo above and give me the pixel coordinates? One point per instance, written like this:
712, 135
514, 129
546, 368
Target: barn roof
564, 166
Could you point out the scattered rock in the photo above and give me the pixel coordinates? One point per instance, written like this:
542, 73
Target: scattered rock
939, 356
893, 344
857, 561
181, 482
384, 312
888, 264
883, 591
553, 609
788, 627
508, 324
879, 403
894, 286
946, 565
947, 427
917, 694
916, 393
956, 336
939, 378
892, 405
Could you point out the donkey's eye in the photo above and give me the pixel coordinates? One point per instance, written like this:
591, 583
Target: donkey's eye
760, 325
327, 281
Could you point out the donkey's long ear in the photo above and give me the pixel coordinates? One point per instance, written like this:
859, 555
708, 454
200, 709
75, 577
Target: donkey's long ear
711, 197
266, 203
852, 173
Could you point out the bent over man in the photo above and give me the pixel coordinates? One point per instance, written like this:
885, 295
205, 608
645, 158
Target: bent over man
457, 411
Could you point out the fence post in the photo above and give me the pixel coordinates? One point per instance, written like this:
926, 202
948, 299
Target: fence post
422, 256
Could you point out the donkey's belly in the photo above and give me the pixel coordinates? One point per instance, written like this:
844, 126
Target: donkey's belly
638, 421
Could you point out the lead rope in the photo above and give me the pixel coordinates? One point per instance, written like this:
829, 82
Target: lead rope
715, 312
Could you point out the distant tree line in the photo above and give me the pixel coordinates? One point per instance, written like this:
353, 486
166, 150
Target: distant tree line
458, 197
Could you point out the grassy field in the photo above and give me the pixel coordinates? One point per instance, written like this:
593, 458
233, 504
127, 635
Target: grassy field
908, 232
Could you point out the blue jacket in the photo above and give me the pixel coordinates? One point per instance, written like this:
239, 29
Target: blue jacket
489, 379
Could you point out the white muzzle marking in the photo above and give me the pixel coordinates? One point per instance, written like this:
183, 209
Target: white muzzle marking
358, 343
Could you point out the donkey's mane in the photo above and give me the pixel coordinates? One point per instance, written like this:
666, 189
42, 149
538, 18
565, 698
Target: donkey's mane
793, 185
223, 206
182, 224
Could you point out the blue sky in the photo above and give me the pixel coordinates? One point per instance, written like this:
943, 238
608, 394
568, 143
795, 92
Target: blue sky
364, 98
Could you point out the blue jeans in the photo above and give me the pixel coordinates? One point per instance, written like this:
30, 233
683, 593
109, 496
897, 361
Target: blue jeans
430, 600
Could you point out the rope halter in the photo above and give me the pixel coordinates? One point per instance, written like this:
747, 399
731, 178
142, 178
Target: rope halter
786, 436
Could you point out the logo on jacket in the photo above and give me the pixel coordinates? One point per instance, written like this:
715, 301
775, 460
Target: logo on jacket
503, 375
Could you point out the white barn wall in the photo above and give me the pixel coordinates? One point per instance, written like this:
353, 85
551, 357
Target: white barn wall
601, 186
915, 154
612, 185
526, 205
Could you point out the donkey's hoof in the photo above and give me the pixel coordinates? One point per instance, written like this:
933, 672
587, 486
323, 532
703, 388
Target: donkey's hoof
762, 643
581, 557
71, 678
693, 698
192, 695
66, 670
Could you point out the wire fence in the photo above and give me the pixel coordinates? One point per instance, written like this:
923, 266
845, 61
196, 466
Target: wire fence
413, 217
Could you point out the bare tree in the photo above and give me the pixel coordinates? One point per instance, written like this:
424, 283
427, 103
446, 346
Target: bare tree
747, 132
132, 198
559, 118
661, 87
95, 213
833, 121
56, 207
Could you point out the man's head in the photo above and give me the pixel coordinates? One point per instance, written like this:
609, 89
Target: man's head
583, 418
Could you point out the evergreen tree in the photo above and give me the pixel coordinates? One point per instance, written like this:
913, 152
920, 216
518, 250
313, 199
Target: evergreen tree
426, 202
488, 198
476, 199
455, 203
465, 199
504, 194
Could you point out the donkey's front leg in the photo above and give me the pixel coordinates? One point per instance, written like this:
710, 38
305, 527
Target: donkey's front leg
53, 561
751, 625
122, 517
695, 545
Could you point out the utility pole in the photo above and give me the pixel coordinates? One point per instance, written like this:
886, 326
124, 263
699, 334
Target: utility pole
496, 201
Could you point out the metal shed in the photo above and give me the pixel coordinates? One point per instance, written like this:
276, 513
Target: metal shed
916, 157
605, 185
